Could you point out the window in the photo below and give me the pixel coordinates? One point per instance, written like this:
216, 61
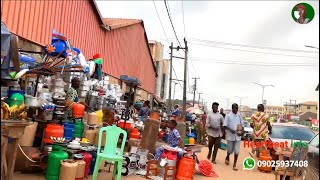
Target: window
315, 141
308, 107
291, 132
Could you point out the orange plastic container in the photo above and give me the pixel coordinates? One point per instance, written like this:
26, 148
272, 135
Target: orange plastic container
265, 156
53, 130
186, 168
135, 134
161, 133
128, 124
154, 115
78, 110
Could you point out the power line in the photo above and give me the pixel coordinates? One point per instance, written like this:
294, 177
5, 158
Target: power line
255, 64
164, 32
237, 61
254, 51
251, 46
165, 3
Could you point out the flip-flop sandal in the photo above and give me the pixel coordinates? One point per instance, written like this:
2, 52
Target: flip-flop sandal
235, 168
227, 162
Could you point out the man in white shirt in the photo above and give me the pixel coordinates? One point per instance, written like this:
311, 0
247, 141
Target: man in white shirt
214, 127
231, 123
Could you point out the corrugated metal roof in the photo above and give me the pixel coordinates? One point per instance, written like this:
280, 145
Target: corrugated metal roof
115, 23
124, 50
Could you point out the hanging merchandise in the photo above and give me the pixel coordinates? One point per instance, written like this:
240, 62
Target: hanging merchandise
54, 162
98, 67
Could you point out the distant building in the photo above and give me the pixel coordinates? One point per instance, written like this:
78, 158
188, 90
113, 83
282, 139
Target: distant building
276, 111
309, 106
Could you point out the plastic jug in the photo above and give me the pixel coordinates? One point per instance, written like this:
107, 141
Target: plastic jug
265, 156
87, 159
78, 130
68, 170
92, 118
186, 168
78, 110
100, 116
135, 134
53, 130
68, 131
93, 161
191, 141
53, 165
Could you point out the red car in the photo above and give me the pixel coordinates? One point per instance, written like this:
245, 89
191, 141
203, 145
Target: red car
290, 133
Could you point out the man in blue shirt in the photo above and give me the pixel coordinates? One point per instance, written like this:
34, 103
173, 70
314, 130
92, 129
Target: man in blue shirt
233, 136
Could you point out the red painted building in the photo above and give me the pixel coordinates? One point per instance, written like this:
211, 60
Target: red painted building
122, 43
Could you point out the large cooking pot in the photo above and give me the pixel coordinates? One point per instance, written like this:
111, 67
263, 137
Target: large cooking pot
31, 101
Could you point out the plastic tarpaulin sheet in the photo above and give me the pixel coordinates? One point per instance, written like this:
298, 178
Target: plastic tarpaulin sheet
5, 39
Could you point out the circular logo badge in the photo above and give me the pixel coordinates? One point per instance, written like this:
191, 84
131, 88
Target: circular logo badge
302, 13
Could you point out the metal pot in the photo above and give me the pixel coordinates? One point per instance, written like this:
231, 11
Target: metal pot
31, 101
47, 149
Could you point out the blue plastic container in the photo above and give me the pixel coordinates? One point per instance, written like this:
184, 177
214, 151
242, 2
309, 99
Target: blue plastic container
93, 161
68, 131
11, 92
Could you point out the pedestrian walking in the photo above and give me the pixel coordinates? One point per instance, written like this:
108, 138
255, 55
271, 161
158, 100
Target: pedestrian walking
233, 124
214, 124
221, 112
261, 127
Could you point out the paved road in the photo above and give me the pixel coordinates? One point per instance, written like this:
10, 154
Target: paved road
225, 172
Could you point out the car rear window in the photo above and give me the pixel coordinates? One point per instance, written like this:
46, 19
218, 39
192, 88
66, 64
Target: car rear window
291, 132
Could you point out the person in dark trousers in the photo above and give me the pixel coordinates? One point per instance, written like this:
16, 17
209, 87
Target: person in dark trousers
231, 123
221, 112
214, 124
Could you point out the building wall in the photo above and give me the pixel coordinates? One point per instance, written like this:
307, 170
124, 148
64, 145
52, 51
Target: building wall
124, 50
156, 50
306, 108
275, 110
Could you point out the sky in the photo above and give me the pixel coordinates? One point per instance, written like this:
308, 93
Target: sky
216, 32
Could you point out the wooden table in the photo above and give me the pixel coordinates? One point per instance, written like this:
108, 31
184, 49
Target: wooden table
13, 129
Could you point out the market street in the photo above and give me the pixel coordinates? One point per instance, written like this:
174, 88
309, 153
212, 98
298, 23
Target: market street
224, 172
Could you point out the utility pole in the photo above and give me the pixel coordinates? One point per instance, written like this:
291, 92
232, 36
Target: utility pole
185, 80
194, 89
199, 99
263, 86
185, 74
170, 80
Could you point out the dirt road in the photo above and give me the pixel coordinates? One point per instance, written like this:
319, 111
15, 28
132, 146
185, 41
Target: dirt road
224, 172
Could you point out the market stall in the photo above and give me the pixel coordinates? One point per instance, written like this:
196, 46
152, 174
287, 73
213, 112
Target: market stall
59, 102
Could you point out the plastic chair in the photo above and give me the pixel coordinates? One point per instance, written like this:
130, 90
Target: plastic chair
109, 152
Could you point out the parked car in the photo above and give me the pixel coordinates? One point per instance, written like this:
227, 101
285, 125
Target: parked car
247, 131
282, 132
313, 156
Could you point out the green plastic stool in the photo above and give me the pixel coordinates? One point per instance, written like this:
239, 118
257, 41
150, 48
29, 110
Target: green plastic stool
109, 152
